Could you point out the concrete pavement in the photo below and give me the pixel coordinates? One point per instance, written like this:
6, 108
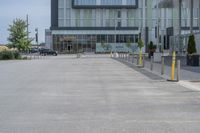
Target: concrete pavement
92, 94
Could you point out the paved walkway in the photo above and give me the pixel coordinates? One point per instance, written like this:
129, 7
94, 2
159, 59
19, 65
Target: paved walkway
93, 94
190, 76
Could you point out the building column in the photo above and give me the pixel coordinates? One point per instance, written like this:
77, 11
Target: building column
199, 15
143, 30
191, 16
179, 30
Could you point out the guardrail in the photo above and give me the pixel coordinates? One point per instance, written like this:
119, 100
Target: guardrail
34, 56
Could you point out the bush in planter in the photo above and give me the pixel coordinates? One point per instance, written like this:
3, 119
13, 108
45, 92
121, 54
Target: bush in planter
151, 49
192, 57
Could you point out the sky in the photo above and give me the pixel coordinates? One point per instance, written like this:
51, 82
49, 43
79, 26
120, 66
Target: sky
38, 11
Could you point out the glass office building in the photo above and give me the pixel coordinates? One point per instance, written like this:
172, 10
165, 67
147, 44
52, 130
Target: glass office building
83, 25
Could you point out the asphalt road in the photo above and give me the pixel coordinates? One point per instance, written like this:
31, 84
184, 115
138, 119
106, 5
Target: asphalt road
94, 94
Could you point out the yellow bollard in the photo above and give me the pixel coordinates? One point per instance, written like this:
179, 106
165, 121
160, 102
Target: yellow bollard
140, 58
173, 65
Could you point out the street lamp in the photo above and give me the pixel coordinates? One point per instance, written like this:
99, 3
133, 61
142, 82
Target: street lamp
115, 32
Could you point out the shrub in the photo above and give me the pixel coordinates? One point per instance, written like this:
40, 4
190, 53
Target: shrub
10, 55
17, 55
7, 55
151, 46
191, 45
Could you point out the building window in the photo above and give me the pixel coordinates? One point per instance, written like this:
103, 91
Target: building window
111, 2
131, 2
77, 18
119, 24
119, 14
61, 13
85, 2
61, 4
61, 22
87, 21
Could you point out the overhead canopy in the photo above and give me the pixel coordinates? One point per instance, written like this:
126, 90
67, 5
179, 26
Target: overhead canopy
166, 4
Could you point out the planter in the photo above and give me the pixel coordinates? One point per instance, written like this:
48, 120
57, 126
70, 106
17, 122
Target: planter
151, 53
157, 57
193, 60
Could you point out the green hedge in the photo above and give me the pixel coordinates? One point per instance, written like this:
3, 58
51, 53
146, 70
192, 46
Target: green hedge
9, 55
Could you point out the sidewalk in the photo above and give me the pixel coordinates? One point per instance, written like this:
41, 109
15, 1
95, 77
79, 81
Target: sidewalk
190, 76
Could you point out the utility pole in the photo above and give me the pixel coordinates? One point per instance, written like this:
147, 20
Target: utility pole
115, 31
36, 37
27, 29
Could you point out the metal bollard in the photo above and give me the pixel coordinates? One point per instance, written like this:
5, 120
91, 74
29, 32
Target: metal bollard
143, 65
162, 65
151, 63
178, 70
138, 59
132, 58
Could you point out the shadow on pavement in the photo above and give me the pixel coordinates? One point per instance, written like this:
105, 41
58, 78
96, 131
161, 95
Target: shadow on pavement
143, 71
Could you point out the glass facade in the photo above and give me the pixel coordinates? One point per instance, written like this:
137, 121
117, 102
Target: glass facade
85, 2
87, 43
165, 19
111, 2
104, 2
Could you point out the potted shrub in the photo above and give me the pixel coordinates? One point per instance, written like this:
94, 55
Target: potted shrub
192, 56
151, 49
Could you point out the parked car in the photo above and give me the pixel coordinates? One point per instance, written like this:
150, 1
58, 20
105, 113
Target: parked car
48, 52
34, 50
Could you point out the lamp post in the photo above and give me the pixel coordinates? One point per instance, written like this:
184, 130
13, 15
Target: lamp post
115, 35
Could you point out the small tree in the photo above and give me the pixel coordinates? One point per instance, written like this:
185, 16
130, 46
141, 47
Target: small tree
151, 46
151, 49
18, 35
140, 46
128, 44
191, 45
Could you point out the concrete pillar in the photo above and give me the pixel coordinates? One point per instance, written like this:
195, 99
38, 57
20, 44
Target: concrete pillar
180, 18
158, 17
199, 15
191, 16
144, 22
